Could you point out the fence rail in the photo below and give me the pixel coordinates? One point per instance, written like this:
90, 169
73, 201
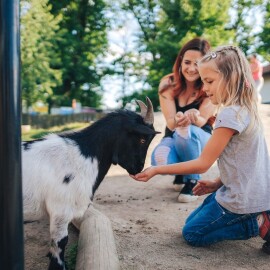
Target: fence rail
47, 121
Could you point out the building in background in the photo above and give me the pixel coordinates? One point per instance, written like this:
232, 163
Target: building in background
265, 92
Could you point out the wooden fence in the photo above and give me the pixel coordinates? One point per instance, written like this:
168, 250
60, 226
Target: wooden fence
47, 121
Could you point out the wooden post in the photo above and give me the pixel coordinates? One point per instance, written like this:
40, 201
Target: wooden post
96, 248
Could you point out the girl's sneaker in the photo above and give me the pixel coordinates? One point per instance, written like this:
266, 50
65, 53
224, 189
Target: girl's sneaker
265, 227
266, 248
265, 232
186, 194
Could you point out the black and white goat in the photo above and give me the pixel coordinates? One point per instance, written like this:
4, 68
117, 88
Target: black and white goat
62, 172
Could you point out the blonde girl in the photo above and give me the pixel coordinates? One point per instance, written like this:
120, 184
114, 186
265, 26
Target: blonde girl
238, 206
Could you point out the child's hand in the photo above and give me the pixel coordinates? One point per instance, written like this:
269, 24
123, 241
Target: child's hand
192, 115
145, 175
205, 186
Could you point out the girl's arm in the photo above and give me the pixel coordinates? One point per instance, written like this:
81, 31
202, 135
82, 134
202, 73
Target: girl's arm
211, 152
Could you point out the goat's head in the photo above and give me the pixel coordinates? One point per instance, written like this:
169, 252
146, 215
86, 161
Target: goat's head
138, 132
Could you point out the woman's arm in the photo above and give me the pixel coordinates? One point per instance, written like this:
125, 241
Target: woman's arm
206, 110
211, 152
167, 105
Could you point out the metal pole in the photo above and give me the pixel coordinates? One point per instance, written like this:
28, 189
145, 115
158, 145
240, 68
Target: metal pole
11, 220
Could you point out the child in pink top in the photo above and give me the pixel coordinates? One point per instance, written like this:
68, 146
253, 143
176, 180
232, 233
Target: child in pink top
257, 70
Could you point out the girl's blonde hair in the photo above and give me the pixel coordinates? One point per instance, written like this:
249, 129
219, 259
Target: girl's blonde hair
236, 80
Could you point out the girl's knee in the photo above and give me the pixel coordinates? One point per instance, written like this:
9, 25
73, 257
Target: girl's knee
191, 236
185, 233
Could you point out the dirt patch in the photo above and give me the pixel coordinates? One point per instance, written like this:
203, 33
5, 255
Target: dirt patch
147, 221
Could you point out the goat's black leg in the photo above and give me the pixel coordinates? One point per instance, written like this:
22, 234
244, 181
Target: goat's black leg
57, 258
59, 240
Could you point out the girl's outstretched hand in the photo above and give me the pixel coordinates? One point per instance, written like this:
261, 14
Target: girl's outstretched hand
206, 186
145, 175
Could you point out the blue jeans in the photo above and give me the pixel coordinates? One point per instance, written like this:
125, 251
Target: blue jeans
178, 149
211, 223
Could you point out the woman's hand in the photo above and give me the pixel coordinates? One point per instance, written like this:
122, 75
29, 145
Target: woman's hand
181, 120
145, 175
206, 186
192, 115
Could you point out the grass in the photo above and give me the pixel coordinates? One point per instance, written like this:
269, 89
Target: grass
71, 256
39, 133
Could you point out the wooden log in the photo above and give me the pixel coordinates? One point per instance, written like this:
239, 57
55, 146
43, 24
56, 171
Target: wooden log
96, 247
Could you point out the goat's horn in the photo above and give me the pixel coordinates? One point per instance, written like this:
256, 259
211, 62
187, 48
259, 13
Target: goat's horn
143, 108
147, 112
149, 118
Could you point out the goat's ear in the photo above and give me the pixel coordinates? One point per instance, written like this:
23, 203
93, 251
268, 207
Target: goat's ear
142, 129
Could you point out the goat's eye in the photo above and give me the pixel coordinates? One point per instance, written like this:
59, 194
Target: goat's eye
142, 141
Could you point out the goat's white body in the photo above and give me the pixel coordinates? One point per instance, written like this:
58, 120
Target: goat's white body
45, 166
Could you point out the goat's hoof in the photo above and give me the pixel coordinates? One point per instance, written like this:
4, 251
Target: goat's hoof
266, 248
54, 265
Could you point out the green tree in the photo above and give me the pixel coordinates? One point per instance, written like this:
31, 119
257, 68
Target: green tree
126, 66
83, 41
264, 35
146, 13
243, 22
38, 34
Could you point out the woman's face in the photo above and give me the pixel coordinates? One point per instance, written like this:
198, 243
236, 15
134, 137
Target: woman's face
189, 65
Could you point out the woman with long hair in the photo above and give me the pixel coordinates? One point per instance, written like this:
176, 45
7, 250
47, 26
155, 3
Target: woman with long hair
189, 115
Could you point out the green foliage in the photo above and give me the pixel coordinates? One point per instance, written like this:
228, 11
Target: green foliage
83, 40
264, 48
243, 25
38, 54
71, 256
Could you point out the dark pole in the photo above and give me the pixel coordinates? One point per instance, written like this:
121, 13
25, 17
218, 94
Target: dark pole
11, 220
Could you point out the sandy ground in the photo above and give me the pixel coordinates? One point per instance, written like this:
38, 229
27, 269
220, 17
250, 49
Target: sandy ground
147, 221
